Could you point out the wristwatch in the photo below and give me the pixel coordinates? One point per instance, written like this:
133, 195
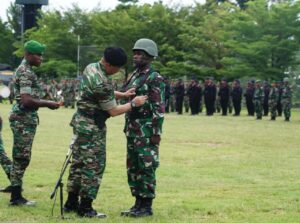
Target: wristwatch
132, 104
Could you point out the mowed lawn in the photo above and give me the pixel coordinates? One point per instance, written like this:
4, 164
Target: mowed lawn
212, 169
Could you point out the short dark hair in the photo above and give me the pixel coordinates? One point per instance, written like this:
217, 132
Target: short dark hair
115, 56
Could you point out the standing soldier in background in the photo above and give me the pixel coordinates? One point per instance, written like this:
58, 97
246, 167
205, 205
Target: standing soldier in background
168, 94
217, 106
210, 92
24, 117
172, 97
266, 89
97, 101
11, 87
273, 98
53, 90
236, 95
186, 97
258, 99
286, 99
5, 162
249, 98
224, 96
195, 95
143, 129
230, 99
279, 106
179, 93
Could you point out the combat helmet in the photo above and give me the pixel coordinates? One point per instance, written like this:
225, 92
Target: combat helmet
147, 45
286, 79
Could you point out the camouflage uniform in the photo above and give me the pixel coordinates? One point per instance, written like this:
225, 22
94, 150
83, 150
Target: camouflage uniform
5, 162
258, 101
89, 148
23, 121
286, 101
140, 124
273, 98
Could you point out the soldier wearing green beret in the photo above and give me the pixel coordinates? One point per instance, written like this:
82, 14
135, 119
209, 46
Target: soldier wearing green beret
24, 117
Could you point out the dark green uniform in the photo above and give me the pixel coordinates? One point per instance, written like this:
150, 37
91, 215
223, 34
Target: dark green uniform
23, 121
140, 124
89, 149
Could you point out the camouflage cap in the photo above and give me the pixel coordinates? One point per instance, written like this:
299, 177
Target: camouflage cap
34, 47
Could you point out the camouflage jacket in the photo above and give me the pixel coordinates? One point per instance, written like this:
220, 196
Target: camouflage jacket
146, 120
26, 82
273, 96
96, 93
286, 93
259, 94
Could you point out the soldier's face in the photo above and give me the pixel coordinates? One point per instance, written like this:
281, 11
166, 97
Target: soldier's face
34, 59
140, 59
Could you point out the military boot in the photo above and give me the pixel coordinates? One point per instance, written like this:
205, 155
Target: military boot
7, 189
17, 199
134, 208
144, 210
287, 119
273, 119
86, 210
72, 202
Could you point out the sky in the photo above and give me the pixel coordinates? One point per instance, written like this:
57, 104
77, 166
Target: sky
90, 4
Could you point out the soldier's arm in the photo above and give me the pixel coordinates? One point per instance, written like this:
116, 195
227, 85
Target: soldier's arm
156, 99
127, 94
29, 102
26, 90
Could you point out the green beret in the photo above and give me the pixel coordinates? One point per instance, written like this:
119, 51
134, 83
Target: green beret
258, 81
34, 47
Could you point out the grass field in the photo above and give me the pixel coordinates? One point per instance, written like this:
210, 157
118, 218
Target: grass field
213, 169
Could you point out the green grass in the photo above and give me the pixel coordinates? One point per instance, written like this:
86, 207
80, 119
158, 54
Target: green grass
213, 169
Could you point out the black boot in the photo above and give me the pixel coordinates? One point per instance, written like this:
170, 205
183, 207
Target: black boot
134, 208
7, 189
273, 119
17, 199
144, 210
72, 202
86, 210
287, 119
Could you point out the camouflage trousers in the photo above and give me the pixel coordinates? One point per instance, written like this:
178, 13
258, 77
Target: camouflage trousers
88, 164
5, 162
273, 109
286, 107
258, 108
142, 162
23, 139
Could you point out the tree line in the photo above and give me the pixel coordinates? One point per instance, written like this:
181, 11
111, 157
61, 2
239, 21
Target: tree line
255, 38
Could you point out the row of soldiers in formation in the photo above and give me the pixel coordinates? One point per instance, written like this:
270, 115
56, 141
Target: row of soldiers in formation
260, 97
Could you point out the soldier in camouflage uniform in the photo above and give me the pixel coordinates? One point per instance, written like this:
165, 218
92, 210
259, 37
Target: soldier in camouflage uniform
286, 99
5, 162
258, 99
97, 101
143, 129
24, 117
273, 98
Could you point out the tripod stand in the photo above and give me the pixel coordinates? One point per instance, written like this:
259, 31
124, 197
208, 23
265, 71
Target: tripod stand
59, 183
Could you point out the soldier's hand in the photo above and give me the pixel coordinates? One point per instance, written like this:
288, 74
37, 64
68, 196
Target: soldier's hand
140, 100
155, 139
129, 93
53, 105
